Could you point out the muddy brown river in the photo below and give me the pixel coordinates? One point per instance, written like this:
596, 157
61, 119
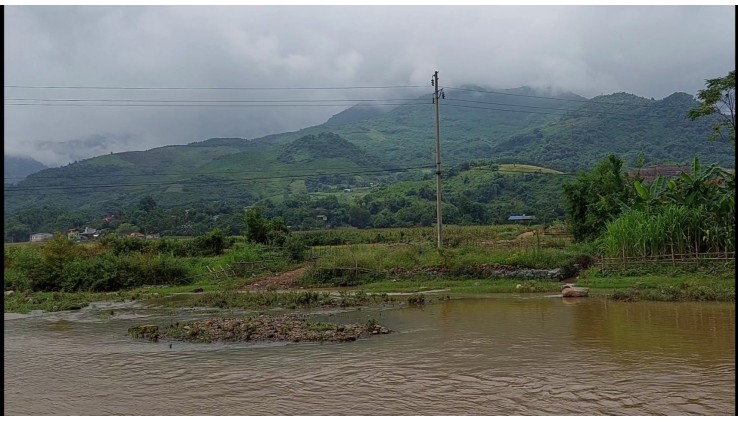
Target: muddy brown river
502, 355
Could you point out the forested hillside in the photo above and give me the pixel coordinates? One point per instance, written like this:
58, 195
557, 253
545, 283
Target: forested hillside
362, 152
625, 125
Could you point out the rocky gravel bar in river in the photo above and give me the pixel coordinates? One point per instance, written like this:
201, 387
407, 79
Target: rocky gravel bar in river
292, 328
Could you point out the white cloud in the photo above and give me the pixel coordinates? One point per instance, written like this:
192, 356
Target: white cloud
648, 51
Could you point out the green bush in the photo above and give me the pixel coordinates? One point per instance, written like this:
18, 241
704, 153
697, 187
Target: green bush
102, 272
125, 244
211, 244
295, 248
338, 277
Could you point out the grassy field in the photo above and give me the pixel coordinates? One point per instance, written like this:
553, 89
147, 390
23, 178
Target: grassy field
392, 261
517, 168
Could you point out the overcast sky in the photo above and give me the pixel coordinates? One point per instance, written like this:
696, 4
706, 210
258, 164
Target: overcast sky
590, 50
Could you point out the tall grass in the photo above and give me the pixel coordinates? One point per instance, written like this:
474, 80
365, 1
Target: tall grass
668, 230
453, 235
375, 261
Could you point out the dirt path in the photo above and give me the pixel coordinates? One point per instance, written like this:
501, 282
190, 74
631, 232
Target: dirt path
526, 234
282, 281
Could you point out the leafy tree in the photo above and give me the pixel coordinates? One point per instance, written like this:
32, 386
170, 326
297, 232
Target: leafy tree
126, 229
47, 272
384, 218
147, 203
277, 231
256, 225
359, 217
718, 98
595, 198
261, 230
212, 243
15, 231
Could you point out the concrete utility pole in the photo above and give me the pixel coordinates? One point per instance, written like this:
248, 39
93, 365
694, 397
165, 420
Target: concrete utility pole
436, 98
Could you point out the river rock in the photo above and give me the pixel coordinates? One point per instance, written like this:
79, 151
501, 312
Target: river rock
570, 290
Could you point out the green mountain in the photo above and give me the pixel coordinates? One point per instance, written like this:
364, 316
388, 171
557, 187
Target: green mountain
472, 122
227, 170
623, 124
368, 146
558, 130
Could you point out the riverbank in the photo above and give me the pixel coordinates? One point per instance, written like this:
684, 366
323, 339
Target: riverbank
685, 287
251, 276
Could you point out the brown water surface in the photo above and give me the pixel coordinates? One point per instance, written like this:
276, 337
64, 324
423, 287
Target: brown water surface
494, 356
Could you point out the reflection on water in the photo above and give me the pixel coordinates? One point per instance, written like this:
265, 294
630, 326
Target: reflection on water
495, 356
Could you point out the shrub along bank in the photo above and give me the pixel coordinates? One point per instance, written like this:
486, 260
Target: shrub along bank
124, 263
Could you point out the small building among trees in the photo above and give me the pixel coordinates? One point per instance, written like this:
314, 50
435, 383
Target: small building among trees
40, 237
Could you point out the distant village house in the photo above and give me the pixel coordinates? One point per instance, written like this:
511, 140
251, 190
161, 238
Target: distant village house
521, 217
40, 237
86, 235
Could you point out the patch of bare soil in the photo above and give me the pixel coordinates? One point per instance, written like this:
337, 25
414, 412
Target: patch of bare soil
526, 234
283, 281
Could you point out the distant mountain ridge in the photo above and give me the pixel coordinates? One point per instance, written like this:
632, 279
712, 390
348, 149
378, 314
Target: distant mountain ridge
355, 114
623, 124
562, 131
16, 168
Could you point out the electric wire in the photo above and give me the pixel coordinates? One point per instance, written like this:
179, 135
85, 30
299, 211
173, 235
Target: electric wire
35, 176
512, 94
205, 182
565, 110
574, 113
127, 102
232, 88
207, 105
238, 182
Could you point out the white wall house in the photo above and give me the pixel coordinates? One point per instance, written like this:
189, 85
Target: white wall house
40, 237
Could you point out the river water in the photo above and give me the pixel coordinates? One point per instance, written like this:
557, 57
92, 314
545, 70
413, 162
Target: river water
514, 355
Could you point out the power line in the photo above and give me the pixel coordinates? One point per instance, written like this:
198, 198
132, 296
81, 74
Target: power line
232, 88
535, 96
317, 88
129, 100
83, 102
535, 172
191, 182
207, 105
578, 113
565, 110
204, 173
206, 182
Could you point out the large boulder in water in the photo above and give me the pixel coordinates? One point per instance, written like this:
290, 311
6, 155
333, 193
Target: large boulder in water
570, 290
